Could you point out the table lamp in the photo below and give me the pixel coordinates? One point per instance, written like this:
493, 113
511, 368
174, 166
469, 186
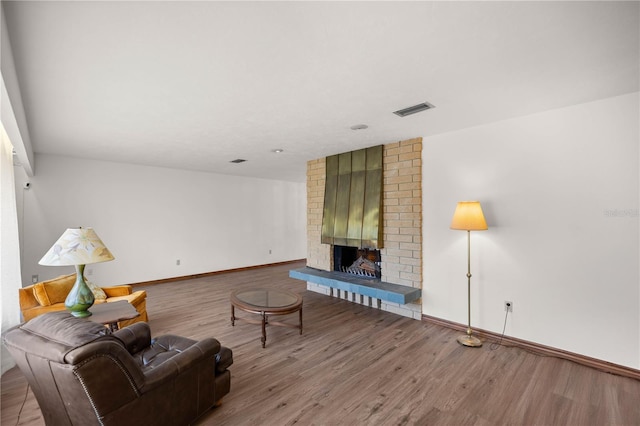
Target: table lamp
78, 247
469, 217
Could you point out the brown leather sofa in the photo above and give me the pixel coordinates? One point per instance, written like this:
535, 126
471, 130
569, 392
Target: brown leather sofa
49, 296
83, 374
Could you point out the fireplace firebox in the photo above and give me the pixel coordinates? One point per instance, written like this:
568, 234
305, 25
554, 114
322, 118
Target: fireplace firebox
357, 261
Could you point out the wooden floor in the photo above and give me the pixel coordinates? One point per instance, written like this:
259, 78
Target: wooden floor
358, 365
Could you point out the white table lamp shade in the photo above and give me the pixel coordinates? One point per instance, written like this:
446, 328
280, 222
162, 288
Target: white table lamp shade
77, 246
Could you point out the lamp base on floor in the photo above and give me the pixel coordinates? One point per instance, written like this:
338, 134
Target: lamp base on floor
468, 340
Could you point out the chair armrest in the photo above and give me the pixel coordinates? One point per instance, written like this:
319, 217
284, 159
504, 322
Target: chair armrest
224, 359
119, 290
137, 296
135, 337
134, 298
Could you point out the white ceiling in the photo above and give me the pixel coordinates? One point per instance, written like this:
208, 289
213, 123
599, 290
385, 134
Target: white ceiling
194, 85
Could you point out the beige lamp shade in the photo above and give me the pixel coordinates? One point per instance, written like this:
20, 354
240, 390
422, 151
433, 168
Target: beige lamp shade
468, 217
77, 246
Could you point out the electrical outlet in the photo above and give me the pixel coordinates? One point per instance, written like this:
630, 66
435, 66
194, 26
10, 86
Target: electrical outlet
269, 251
508, 306
178, 262
34, 279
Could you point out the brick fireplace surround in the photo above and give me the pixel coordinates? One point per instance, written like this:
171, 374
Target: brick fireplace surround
402, 224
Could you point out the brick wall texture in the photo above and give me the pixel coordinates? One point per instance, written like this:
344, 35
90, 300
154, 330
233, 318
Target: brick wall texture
318, 255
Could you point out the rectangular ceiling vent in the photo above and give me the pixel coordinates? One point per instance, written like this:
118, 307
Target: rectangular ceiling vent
414, 109
237, 161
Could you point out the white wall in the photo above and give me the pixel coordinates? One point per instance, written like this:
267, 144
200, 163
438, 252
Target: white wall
150, 217
560, 193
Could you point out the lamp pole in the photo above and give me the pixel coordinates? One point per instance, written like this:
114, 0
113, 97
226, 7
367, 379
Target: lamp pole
469, 281
468, 339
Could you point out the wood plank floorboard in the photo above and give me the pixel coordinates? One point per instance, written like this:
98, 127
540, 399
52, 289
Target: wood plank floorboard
358, 365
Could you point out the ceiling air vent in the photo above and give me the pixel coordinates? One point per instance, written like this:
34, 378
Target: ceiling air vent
239, 160
413, 109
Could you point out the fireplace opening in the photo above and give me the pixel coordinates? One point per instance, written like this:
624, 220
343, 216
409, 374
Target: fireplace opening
357, 261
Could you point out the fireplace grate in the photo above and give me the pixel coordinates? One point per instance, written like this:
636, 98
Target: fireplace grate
359, 272
363, 267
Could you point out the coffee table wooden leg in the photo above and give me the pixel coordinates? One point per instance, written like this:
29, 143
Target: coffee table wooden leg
264, 329
233, 315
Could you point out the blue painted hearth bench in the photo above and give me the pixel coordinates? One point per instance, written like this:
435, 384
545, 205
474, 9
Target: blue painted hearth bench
377, 289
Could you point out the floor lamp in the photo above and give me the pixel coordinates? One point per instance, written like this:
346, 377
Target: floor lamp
469, 217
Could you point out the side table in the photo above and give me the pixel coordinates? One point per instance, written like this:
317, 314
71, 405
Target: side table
110, 313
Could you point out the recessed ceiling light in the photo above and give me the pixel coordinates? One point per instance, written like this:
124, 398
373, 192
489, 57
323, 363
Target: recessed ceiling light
359, 127
277, 150
239, 160
414, 109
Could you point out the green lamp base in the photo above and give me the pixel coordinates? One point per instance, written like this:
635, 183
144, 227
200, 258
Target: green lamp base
79, 310
80, 298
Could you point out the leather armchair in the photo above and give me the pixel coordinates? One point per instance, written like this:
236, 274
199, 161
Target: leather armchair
83, 374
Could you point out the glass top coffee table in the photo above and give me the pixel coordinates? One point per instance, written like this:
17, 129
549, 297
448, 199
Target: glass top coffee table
266, 302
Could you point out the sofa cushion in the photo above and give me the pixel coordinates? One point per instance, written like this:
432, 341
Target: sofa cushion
163, 348
98, 292
53, 291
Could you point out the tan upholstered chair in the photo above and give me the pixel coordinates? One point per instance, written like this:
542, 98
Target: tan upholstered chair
81, 373
49, 296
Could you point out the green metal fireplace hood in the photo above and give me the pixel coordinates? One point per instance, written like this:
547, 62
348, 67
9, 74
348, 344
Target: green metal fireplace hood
352, 213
